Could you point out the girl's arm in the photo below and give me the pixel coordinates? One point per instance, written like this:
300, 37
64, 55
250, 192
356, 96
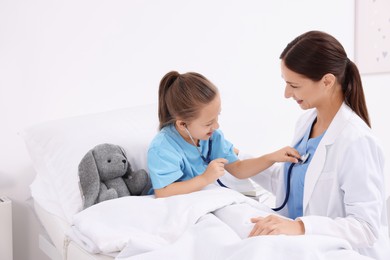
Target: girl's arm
214, 170
250, 167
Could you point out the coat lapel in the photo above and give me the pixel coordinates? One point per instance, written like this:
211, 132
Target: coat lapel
317, 163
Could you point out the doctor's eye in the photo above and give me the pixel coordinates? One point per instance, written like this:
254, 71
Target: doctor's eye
108, 160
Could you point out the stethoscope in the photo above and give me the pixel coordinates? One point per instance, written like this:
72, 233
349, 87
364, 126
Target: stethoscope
207, 159
301, 160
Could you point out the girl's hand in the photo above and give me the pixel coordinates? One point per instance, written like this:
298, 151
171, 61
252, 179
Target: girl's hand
215, 169
286, 154
275, 225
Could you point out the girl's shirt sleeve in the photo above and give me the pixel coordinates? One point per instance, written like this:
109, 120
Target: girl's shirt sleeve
222, 148
164, 166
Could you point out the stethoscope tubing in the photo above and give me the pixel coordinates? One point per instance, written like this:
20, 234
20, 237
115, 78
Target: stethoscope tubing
287, 189
302, 160
221, 184
206, 160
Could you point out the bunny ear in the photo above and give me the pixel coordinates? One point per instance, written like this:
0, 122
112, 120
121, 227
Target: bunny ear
122, 150
89, 179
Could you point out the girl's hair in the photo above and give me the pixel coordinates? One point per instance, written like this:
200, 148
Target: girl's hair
314, 54
182, 96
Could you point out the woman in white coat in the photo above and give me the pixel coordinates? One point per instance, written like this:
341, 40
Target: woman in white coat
340, 190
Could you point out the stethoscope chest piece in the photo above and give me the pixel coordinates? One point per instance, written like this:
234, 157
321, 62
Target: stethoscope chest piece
303, 158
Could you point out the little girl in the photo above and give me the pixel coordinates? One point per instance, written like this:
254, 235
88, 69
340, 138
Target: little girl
190, 152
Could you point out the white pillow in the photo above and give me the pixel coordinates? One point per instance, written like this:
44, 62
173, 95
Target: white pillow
57, 147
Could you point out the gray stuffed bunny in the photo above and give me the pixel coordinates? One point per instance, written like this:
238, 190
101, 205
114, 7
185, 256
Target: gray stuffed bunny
105, 173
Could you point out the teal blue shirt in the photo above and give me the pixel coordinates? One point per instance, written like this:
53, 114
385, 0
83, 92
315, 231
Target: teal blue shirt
304, 146
172, 159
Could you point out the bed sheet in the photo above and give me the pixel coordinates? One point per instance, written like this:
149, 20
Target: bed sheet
210, 238
209, 224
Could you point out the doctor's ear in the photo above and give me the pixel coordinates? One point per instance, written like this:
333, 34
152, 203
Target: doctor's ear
329, 80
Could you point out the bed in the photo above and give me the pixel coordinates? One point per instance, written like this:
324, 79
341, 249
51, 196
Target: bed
209, 224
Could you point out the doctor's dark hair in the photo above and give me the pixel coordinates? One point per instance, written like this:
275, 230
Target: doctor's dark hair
181, 96
314, 54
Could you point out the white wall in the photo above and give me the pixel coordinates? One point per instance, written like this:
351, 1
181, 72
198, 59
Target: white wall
65, 58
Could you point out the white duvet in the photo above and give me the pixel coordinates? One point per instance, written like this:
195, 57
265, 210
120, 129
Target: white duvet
209, 224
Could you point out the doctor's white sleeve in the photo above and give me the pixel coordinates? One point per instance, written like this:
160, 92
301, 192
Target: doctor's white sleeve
361, 181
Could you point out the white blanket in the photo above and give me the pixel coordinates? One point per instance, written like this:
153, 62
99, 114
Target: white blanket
209, 224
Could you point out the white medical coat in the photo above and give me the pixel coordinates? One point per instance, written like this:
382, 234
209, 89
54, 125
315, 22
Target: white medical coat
344, 192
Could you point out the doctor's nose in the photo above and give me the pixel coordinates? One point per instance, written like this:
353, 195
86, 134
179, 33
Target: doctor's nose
287, 92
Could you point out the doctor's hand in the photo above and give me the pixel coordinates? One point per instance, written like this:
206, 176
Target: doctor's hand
275, 225
215, 169
286, 154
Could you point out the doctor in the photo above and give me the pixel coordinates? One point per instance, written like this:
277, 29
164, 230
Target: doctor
340, 190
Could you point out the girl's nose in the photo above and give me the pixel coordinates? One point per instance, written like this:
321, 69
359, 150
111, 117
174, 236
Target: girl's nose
216, 126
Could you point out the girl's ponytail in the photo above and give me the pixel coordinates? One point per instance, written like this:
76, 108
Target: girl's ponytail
163, 112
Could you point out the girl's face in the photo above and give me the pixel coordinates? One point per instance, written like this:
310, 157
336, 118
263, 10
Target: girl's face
206, 123
306, 92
